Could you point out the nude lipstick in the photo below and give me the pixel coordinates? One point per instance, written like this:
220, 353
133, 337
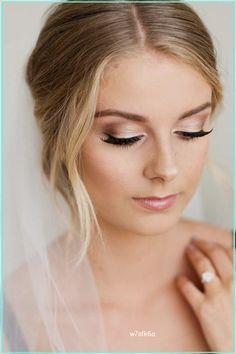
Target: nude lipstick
156, 204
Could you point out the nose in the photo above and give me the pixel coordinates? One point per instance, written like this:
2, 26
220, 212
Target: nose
162, 163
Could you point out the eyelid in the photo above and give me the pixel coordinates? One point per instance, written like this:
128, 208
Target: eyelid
123, 137
124, 134
129, 142
200, 118
143, 135
122, 142
122, 127
193, 127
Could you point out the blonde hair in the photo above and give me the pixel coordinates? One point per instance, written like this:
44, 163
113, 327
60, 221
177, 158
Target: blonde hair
64, 71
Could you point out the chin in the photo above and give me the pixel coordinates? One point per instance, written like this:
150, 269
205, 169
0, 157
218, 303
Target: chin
162, 224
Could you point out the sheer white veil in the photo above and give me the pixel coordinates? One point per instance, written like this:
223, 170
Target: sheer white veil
42, 285
49, 305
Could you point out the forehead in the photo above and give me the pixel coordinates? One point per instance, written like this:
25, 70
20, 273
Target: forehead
152, 82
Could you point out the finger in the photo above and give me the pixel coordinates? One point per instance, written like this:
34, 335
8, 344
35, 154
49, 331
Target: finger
231, 253
201, 264
219, 257
190, 292
207, 246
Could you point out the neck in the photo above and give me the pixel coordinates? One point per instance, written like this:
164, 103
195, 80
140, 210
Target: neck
131, 266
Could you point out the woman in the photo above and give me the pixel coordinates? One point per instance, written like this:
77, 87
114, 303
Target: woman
125, 97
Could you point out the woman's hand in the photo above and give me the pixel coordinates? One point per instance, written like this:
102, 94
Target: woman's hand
214, 306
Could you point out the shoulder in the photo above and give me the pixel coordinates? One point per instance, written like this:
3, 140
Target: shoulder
22, 283
19, 294
20, 309
208, 232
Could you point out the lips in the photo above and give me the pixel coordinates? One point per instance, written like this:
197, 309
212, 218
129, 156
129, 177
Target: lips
156, 203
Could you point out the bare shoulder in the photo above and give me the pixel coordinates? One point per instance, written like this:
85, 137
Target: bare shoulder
27, 290
208, 231
19, 292
22, 283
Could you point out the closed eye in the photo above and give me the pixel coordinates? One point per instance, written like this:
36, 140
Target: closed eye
126, 142
192, 135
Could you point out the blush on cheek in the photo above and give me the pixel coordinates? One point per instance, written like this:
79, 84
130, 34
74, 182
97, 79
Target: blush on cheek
103, 175
202, 155
197, 161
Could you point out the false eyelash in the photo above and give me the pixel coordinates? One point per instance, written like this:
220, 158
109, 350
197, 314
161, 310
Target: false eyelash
193, 135
126, 142
123, 142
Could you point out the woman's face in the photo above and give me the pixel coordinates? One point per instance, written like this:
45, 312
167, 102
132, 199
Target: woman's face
171, 98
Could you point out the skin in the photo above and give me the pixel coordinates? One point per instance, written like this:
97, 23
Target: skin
217, 295
144, 252
163, 163
138, 241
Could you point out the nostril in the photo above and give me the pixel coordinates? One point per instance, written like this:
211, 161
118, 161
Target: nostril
162, 165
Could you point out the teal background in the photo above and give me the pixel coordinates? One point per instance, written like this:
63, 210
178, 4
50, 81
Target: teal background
2, 145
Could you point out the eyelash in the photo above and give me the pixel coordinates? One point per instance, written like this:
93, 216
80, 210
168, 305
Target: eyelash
127, 142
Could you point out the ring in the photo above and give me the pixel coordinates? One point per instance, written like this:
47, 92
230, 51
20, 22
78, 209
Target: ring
207, 277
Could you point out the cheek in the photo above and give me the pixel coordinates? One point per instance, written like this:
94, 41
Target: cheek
195, 159
106, 174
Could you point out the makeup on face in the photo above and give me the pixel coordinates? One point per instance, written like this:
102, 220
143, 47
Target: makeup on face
189, 126
157, 204
138, 163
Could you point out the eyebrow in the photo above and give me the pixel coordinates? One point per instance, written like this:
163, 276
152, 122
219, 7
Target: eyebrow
139, 118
